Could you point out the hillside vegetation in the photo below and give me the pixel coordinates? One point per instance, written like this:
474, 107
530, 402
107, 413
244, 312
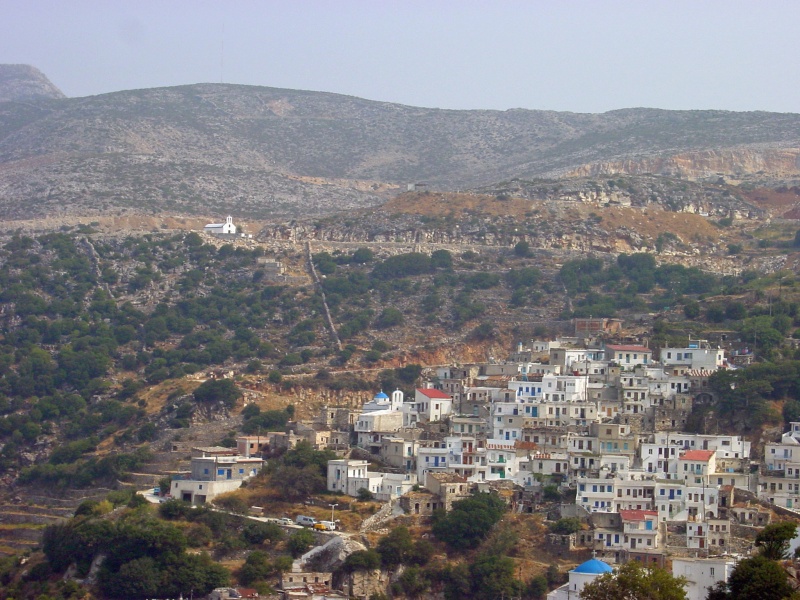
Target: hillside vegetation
92, 322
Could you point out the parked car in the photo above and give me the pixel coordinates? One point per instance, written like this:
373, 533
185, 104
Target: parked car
305, 521
325, 526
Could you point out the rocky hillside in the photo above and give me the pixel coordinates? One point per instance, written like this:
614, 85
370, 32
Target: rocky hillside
21, 83
257, 152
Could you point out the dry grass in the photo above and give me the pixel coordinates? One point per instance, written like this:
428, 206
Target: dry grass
654, 221
774, 201
647, 222
442, 204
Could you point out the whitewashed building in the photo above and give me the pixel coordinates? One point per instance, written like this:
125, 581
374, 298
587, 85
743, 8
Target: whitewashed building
702, 574
578, 578
221, 228
698, 355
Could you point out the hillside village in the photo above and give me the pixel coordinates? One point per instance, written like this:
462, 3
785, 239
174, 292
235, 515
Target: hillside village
312, 405
579, 427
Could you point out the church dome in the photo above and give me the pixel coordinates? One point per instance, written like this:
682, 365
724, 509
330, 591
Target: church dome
381, 396
593, 566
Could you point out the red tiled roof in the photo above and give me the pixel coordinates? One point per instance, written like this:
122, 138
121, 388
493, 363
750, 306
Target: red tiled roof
637, 515
614, 348
520, 445
432, 393
704, 455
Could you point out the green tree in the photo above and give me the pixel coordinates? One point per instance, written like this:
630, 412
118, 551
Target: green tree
296, 483
396, 547
135, 579
523, 278
413, 582
493, 577
218, 390
255, 568
441, 259
715, 313
402, 265
537, 587
362, 256
299, 542
390, 317
362, 560
483, 332
757, 577
691, 310
199, 535
735, 311
258, 533
469, 521
632, 581
791, 411
566, 526
304, 455
774, 539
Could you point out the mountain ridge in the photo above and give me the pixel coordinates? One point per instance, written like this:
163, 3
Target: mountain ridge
259, 151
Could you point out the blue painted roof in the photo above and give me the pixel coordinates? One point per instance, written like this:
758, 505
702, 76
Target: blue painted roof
593, 566
381, 395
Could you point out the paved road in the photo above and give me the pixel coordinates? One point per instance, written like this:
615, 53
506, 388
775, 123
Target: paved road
155, 499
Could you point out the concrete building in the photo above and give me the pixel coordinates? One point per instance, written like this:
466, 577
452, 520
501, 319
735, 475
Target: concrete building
702, 574
698, 355
214, 471
628, 356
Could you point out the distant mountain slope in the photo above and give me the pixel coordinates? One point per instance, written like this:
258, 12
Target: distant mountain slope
19, 83
263, 151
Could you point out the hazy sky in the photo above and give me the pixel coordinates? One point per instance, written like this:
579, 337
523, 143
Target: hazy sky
584, 56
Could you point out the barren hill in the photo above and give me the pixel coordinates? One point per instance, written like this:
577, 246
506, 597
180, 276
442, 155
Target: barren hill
257, 151
20, 83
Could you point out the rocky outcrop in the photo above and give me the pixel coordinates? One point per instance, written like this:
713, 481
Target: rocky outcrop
22, 83
732, 163
329, 556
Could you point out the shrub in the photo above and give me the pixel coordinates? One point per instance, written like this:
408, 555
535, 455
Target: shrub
364, 495
522, 249
390, 317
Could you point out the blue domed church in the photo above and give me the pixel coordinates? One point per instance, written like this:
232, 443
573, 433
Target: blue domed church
579, 577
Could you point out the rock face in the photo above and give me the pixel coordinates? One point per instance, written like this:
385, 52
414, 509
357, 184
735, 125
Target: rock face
20, 83
706, 164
